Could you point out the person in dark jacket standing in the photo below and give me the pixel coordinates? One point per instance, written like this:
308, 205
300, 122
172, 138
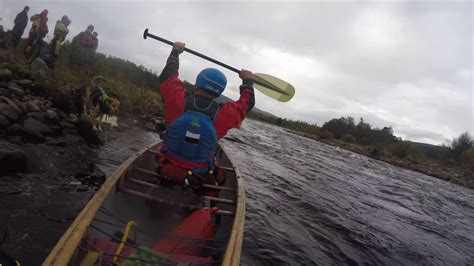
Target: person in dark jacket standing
21, 21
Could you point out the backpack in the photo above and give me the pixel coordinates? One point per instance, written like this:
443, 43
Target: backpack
192, 136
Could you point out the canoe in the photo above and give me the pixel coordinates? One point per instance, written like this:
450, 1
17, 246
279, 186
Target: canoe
133, 219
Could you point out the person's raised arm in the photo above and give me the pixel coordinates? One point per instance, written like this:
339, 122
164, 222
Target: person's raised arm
172, 64
232, 114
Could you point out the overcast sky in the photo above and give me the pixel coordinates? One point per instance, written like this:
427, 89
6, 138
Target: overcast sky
405, 64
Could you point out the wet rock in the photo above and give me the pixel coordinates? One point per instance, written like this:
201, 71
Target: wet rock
31, 136
7, 111
39, 68
15, 89
4, 92
37, 115
35, 125
12, 162
56, 129
150, 126
15, 140
21, 105
13, 105
68, 98
5, 74
40, 89
65, 124
91, 136
73, 139
26, 134
24, 73
25, 83
56, 142
51, 115
72, 118
14, 130
33, 106
4, 122
69, 131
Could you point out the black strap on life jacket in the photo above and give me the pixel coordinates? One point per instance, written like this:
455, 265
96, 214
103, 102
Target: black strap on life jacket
201, 104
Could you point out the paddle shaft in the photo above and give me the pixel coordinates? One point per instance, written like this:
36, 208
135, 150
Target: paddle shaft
147, 34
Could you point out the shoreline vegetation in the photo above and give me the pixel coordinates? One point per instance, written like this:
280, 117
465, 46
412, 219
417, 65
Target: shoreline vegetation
137, 89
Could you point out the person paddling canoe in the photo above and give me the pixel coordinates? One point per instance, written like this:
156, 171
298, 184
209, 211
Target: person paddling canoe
195, 121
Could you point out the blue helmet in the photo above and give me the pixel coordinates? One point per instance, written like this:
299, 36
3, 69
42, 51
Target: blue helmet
212, 80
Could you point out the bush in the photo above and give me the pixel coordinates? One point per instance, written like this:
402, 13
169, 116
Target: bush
348, 138
326, 135
467, 159
403, 149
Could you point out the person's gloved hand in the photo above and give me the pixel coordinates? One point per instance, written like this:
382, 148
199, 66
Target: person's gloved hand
245, 74
178, 47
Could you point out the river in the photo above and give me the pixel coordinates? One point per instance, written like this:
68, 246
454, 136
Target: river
311, 203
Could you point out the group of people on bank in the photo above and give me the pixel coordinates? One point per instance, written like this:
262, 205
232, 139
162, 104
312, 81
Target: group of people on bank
86, 40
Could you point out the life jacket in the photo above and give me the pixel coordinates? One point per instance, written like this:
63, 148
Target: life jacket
100, 97
39, 23
61, 30
192, 136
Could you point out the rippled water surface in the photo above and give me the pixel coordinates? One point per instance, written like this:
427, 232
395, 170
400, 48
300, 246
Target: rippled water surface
310, 203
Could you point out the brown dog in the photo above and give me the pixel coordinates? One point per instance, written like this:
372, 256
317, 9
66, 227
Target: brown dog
97, 103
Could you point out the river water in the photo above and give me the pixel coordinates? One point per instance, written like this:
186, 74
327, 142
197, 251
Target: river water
311, 203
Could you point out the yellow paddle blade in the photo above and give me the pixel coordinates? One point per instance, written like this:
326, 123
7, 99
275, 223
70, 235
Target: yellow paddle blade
273, 87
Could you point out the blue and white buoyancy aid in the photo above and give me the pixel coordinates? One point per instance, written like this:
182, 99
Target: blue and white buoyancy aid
192, 136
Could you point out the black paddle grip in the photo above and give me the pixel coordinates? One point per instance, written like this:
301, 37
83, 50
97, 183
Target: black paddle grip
147, 34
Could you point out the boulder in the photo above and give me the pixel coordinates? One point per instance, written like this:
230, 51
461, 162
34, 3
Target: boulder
68, 98
35, 125
25, 83
15, 89
15, 140
69, 131
12, 162
4, 122
73, 139
33, 106
37, 115
8, 112
56, 142
4, 92
39, 68
5, 74
13, 105
65, 124
21, 105
26, 135
90, 136
51, 115
24, 73
72, 118
14, 130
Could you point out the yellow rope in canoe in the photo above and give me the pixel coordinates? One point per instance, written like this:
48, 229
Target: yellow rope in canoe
124, 238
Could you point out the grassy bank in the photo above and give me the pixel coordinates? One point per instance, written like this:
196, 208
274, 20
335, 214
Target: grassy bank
135, 86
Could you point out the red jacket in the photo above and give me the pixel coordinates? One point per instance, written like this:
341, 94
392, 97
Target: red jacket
230, 115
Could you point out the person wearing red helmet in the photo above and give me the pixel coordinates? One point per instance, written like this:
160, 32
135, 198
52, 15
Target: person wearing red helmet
60, 33
195, 121
38, 30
